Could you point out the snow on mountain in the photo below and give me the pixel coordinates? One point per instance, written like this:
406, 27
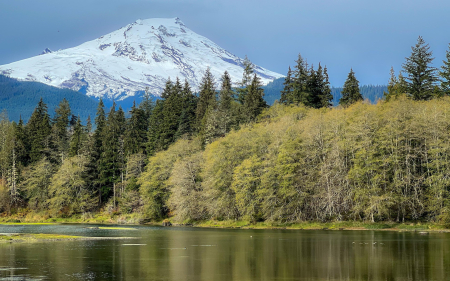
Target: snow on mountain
139, 55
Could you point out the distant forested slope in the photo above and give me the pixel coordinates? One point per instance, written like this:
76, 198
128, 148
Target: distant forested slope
19, 98
272, 90
371, 92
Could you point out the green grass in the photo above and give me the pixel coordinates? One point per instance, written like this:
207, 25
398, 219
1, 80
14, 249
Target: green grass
338, 225
28, 237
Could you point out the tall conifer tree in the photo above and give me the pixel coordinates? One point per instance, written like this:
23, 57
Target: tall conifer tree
136, 131
350, 92
300, 93
254, 102
445, 74
246, 80
76, 141
207, 97
187, 119
60, 134
286, 93
38, 130
421, 76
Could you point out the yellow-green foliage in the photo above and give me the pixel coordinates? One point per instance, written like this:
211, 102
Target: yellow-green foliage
68, 189
365, 162
154, 181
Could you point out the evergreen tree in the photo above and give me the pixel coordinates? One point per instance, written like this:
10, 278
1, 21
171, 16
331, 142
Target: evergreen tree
207, 97
300, 91
77, 139
254, 102
22, 144
314, 87
396, 86
136, 131
326, 97
350, 92
59, 129
445, 74
286, 93
38, 130
421, 76
171, 112
187, 118
147, 105
110, 160
226, 93
226, 115
88, 127
154, 128
246, 80
100, 122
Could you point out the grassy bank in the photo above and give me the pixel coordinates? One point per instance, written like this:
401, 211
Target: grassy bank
89, 218
33, 237
136, 219
27, 237
340, 225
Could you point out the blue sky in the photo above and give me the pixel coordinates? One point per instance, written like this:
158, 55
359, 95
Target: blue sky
368, 36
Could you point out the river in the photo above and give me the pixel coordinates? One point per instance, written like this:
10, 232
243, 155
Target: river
184, 253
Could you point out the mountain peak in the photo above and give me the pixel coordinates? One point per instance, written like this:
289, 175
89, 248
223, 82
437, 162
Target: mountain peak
142, 54
46, 51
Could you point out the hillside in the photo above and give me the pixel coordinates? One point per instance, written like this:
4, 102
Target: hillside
19, 98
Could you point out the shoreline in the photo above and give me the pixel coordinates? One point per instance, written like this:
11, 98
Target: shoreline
33, 237
134, 219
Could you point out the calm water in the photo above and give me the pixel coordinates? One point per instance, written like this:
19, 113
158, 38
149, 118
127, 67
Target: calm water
217, 254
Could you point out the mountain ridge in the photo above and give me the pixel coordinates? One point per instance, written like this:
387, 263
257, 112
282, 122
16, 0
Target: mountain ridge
140, 55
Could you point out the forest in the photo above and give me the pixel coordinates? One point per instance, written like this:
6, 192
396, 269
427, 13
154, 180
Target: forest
224, 154
19, 98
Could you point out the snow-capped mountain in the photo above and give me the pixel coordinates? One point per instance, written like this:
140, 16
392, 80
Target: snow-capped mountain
139, 55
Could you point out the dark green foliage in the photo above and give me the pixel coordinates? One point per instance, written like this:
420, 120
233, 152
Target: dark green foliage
350, 92
445, 74
173, 102
286, 93
22, 145
254, 102
136, 131
396, 86
226, 93
227, 118
59, 130
77, 138
187, 118
206, 99
325, 96
38, 130
154, 128
19, 98
421, 76
110, 162
307, 86
146, 105
300, 92
242, 90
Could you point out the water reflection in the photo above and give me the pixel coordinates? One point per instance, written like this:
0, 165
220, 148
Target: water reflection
212, 254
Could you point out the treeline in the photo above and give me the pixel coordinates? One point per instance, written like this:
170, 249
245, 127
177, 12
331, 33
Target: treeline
388, 161
223, 154
60, 164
